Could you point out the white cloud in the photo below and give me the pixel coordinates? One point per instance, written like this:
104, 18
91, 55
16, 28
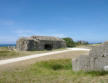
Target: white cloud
59, 35
24, 33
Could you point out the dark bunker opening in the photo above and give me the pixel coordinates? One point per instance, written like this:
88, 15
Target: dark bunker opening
48, 46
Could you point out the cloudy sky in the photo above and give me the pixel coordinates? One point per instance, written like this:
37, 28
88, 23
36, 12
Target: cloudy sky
79, 19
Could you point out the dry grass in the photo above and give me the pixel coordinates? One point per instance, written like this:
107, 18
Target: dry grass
26, 63
49, 69
90, 46
5, 53
52, 71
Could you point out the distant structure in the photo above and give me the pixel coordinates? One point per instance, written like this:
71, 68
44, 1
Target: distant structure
97, 60
39, 43
11, 48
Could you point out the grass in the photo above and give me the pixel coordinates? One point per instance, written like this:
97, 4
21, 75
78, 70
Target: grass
5, 53
52, 71
11, 54
3, 48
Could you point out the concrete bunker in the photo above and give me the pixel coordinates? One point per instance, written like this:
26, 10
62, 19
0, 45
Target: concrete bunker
39, 43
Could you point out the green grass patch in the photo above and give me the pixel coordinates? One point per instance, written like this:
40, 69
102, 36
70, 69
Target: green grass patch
97, 73
55, 65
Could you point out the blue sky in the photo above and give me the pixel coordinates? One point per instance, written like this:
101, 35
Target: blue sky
80, 19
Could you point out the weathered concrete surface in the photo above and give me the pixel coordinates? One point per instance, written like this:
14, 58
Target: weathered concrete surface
97, 60
81, 63
39, 43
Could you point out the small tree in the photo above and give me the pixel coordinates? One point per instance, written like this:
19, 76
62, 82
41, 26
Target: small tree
69, 42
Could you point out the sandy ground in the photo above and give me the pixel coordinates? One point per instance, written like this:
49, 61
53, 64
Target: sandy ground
24, 64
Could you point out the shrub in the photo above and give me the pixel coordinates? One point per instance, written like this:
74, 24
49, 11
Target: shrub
69, 42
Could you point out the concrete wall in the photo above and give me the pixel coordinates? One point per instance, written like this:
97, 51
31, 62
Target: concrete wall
95, 61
